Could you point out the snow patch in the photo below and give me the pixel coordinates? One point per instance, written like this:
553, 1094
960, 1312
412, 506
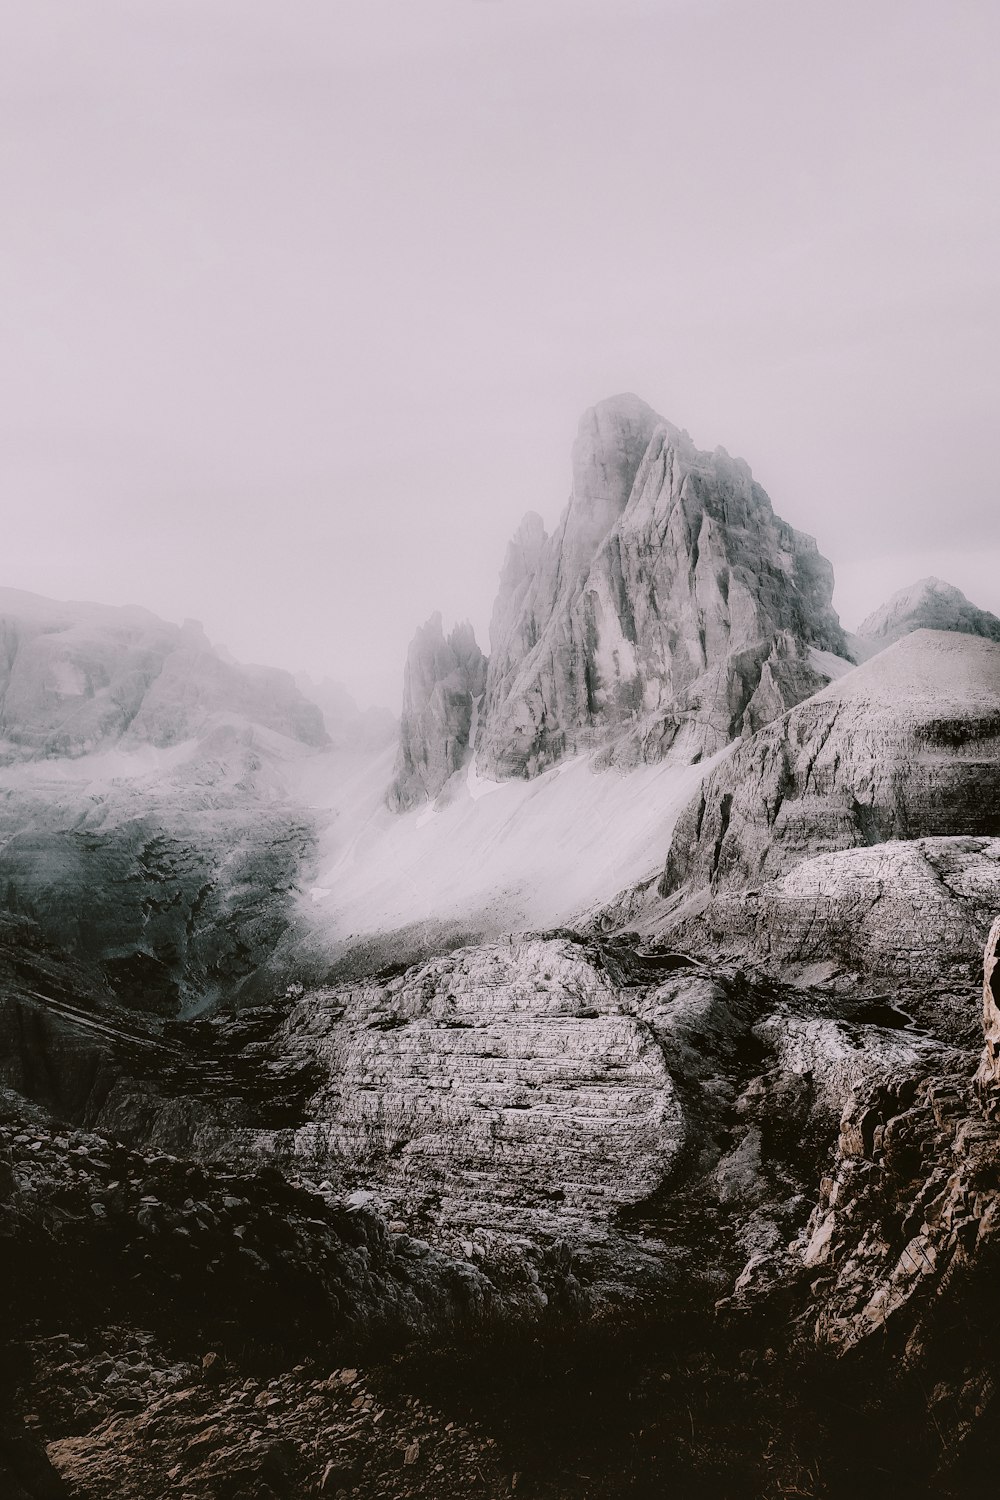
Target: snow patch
828, 664
507, 855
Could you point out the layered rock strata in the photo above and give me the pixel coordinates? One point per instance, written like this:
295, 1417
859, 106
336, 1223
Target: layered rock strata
902, 1250
517, 1097
906, 746
861, 827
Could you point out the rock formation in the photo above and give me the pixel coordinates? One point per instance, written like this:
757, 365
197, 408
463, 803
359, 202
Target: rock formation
443, 679
901, 1252
144, 826
929, 604
670, 611
906, 746
988, 1078
671, 606
78, 677
859, 829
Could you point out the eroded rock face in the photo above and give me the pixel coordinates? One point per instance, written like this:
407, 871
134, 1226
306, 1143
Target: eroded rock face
929, 604
906, 746
902, 1249
670, 603
144, 824
77, 677
989, 1072
655, 1120
443, 679
912, 910
504, 1081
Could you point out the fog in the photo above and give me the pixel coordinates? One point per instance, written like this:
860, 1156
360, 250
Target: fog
300, 303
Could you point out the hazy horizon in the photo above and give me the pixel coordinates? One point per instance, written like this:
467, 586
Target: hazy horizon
301, 305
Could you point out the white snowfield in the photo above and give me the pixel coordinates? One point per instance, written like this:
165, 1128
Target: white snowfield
926, 668
533, 854
507, 855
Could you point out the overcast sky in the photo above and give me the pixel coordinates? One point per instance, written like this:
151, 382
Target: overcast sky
301, 300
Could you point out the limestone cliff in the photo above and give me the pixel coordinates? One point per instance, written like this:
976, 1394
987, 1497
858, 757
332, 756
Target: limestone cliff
929, 604
906, 746
443, 679
670, 607
76, 677
670, 611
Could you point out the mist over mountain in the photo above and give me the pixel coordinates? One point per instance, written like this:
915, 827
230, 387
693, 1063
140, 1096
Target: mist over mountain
624, 983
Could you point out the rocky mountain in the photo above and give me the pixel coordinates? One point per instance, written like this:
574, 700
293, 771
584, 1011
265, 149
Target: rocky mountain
75, 678
670, 605
861, 826
443, 680
669, 612
905, 746
929, 604
608, 1091
146, 823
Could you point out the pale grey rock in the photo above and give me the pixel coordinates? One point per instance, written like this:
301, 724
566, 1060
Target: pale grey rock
861, 830
928, 604
670, 610
988, 1077
547, 1089
443, 679
504, 1080
906, 746
77, 677
144, 828
901, 1244
907, 910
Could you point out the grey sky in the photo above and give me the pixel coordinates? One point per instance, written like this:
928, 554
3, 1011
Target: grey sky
300, 302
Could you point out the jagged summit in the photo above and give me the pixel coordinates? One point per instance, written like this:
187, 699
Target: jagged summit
930, 604
668, 612
75, 677
443, 679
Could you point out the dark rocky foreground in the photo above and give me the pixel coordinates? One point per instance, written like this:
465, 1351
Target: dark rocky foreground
146, 1372
204, 1328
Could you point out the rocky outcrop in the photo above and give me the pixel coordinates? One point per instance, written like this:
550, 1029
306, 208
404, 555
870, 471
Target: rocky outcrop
78, 677
146, 827
988, 1078
443, 680
929, 604
623, 1104
670, 607
506, 1082
910, 911
902, 1250
861, 829
906, 746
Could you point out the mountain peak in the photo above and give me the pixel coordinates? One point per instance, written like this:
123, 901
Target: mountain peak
443, 677
669, 605
931, 604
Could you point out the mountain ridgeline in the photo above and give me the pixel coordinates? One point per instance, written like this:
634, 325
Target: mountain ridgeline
669, 612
